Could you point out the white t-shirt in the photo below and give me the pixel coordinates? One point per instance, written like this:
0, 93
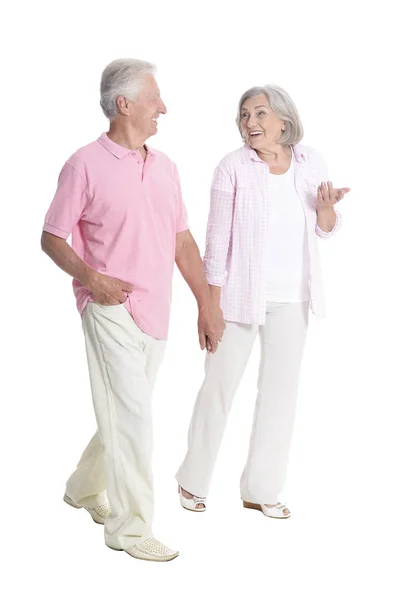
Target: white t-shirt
287, 253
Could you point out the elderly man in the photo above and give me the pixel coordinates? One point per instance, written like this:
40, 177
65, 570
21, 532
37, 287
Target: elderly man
122, 203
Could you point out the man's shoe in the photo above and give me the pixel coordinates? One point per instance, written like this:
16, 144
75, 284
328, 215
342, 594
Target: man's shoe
150, 549
98, 514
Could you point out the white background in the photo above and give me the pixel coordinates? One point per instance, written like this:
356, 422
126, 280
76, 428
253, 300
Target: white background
337, 62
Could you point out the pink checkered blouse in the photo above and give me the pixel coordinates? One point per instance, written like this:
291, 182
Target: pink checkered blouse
236, 244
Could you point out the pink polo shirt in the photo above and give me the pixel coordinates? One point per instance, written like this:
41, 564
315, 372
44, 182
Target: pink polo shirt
123, 214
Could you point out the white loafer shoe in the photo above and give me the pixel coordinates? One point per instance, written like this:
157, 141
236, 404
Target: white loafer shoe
278, 511
98, 514
150, 549
192, 503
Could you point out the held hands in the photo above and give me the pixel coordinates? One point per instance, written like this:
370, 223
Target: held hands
327, 195
108, 290
210, 327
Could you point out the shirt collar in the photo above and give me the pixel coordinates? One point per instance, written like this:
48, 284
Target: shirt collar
250, 154
117, 150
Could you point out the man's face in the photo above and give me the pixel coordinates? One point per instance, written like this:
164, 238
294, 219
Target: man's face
145, 111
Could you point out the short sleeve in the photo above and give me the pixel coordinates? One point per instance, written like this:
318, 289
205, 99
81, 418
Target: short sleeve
68, 203
181, 212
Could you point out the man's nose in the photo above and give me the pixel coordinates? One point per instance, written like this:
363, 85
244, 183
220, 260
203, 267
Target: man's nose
162, 107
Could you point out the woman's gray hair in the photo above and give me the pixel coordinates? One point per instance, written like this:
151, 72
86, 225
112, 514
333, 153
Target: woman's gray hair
282, 104
122, 77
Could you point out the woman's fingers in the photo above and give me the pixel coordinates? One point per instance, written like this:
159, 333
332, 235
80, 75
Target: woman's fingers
213, 343
332, 194
327, 195
324, 197
340, 193
325, 192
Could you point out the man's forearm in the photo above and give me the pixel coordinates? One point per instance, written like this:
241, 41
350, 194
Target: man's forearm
190, 265
66, 258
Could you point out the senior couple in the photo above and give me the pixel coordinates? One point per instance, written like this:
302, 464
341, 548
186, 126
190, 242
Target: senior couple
121, 201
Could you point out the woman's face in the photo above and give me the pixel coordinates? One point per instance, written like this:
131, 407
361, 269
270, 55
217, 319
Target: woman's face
259, 123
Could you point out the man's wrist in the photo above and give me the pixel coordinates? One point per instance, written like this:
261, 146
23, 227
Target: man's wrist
204, 305
88, 277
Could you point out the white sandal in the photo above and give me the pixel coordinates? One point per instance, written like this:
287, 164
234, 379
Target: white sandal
275, 512
191, 503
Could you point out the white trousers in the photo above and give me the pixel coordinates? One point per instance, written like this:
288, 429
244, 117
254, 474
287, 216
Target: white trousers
123, 363
282, 341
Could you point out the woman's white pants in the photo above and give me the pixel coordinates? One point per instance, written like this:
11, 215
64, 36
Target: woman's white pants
282, 341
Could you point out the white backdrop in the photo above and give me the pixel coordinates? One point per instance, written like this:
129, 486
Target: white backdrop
336, 59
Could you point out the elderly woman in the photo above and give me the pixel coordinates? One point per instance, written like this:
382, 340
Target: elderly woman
270, 199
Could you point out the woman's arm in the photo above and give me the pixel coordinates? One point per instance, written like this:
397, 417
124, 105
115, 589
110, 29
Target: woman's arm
329, 220
220, 222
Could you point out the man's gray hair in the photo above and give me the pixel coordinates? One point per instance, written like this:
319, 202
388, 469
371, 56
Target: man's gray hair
122, 77
282, 104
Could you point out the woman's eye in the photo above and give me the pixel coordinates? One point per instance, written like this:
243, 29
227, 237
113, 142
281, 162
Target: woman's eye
261, 113
244, 115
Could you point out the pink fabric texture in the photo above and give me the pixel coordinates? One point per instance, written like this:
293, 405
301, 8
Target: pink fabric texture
236, 245
123, 214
